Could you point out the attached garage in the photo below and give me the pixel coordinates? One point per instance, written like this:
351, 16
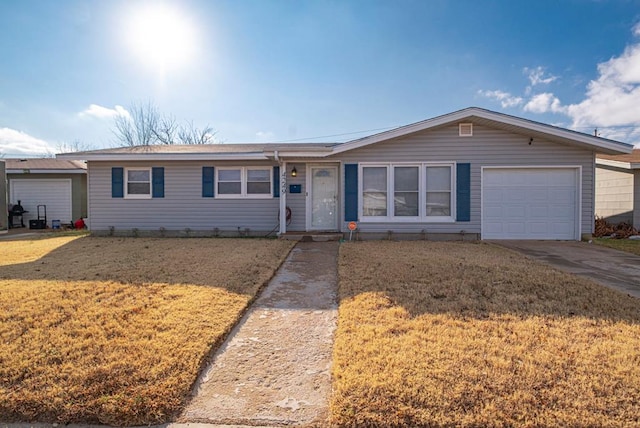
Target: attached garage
531, 203
55, 194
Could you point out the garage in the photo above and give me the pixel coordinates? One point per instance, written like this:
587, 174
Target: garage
531, 203
54, 193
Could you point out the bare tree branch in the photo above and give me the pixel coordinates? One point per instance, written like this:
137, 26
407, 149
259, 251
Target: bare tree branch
145, 126
139, 127
189, 134
166, 130
72, 147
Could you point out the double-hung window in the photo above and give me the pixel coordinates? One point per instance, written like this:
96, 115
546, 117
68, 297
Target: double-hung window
407, 192
244, 182
137, 183
374, 191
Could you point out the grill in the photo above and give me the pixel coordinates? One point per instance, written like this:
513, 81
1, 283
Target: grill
16, 212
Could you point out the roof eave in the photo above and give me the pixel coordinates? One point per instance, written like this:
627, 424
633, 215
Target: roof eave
46, 171
601, 144
110, 157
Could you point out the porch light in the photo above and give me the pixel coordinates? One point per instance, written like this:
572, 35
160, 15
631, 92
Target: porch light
294, 172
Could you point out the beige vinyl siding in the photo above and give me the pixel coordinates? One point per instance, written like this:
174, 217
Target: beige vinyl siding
487, 147
614, 194
182, 206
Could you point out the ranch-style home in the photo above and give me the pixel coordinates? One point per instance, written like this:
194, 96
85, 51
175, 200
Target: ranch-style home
473, 173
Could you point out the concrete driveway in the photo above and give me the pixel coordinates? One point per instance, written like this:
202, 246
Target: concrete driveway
612, 268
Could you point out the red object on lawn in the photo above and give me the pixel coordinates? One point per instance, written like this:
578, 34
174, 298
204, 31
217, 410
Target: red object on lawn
79, 224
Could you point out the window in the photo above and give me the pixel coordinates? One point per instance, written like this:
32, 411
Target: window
405, 185
244, 182
407, 192
438, 191
258, 182
229, 182
138, 183
374, 194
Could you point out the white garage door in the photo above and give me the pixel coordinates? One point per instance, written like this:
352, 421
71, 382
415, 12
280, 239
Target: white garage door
54, 193
530, 203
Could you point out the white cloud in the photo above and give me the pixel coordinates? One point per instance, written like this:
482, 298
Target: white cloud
614, 98
543, 103
265, 136
537, 76
505, 98
17, 143
99, 112
636, 29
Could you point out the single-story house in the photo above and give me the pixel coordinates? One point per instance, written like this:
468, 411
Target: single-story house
471, 173
618, 188
57, 184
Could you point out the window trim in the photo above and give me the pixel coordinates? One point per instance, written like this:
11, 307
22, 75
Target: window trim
422, 194
128, 195
244, 175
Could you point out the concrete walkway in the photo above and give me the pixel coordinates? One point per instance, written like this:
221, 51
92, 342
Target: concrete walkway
274, 369
609, 267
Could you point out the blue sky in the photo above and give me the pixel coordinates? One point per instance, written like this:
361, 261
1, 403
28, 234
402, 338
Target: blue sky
263, 71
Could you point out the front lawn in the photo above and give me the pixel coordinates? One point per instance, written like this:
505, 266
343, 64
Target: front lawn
115, 330
628, 245
469, 334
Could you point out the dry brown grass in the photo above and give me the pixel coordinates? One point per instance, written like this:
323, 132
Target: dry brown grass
464, 334
108, 330
628, 245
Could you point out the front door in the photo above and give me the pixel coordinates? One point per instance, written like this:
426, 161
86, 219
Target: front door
323, 198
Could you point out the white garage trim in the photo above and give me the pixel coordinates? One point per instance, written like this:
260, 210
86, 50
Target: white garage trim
577, 212
55, 193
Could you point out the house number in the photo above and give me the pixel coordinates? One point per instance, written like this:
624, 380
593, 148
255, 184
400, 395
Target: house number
283, 182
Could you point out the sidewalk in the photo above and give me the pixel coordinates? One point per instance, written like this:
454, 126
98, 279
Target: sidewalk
274, 369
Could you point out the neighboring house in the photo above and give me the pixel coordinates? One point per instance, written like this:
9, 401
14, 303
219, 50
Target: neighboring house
618, 188
472, 173
60, 185
4, 225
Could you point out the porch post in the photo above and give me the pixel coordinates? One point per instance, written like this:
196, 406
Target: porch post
283, 198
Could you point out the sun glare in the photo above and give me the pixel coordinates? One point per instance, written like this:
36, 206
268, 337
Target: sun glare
161, 37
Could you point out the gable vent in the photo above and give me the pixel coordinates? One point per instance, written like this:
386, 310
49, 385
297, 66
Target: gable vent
466, 129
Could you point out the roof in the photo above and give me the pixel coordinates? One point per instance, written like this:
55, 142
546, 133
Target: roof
503, 121
320, 150
44, 166
627, 161
205, 151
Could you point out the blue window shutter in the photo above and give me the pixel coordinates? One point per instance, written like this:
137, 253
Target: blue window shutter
276, 181
157, 182
208, 184
463, 192
117, 182
351, 192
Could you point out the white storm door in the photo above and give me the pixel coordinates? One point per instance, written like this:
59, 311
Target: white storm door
323, 198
